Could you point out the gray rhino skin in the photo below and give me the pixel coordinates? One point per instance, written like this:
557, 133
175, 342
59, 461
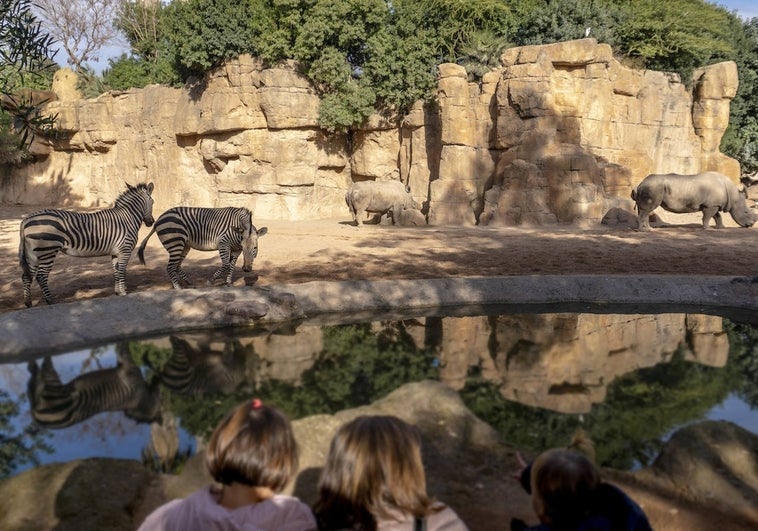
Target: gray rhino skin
710, 192
378, 197
408, 217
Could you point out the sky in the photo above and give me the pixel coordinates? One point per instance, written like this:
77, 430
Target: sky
746, 9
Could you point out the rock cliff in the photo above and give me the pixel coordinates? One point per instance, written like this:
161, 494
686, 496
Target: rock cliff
559, 133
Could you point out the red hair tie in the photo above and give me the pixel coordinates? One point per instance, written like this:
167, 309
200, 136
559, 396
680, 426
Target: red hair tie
257, 404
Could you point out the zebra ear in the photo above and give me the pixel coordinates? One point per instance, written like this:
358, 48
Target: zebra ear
128, 186
150, 187
262, 231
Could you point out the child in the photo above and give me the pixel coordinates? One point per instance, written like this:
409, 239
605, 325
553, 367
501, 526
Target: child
253, 455
374, 479
568, 494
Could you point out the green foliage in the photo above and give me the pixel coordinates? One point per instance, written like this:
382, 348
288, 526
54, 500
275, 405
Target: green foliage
130, 72
482, 53
676, 36
147, 354
741, 138
743, 356
24, 63
18, 447
201, 33
563, 20
89, 83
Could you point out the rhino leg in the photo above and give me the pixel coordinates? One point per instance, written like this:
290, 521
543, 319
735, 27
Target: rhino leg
643, 220
712, 212
719, 222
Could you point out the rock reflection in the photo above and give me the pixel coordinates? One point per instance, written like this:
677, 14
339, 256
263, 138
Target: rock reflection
565, 362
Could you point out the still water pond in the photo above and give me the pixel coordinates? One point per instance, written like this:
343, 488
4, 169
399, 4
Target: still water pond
629, 380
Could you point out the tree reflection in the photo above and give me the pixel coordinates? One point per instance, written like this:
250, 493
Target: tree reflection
18, 447
640, 409
743, 340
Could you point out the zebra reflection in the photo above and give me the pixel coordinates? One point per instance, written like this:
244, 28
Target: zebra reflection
56, 405
198, 369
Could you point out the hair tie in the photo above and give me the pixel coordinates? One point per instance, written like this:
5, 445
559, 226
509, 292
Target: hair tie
257, 404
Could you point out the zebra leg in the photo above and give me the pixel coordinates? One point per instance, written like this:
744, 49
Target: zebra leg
179, 278
27, 276
182, 275
43, 271
119, 272
232, 262
225, 269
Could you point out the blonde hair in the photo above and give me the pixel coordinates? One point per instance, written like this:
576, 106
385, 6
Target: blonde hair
373, 471
564, 482
253, 445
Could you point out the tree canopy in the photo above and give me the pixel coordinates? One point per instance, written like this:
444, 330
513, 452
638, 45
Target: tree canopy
369, 55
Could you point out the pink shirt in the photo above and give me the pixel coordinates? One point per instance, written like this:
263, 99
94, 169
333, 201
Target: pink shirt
444, 520
201, 512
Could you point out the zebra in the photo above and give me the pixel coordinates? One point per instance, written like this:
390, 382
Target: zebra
112, 231
229, 230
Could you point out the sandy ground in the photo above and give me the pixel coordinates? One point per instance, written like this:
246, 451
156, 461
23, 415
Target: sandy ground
334, 249
302, 251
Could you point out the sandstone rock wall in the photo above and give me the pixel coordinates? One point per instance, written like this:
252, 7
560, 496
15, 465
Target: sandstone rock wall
559, 134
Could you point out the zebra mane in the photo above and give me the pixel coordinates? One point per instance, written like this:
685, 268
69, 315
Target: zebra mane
132, 191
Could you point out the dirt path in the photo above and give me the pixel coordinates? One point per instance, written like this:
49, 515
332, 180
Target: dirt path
302, 251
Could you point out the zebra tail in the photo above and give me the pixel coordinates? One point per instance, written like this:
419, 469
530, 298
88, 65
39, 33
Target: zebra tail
141, 250
22, 250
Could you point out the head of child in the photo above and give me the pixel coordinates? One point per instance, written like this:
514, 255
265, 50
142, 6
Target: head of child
373, 472
563, 483
253, 445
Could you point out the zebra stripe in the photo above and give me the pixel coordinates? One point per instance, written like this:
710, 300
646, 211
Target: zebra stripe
111, 231
229, 230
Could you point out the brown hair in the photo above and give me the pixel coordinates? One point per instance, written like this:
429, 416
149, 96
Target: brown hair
564, 482
372, 472
253, 445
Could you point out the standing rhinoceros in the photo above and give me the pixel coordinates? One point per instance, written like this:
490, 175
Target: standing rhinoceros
378, 197
710, 192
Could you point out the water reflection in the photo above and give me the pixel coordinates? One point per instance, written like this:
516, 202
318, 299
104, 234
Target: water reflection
533, 377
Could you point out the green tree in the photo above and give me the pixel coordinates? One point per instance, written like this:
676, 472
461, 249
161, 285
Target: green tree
201, 33
564, 20
741, 138
150, 60
24, 59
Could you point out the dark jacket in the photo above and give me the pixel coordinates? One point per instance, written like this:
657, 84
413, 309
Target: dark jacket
613, 511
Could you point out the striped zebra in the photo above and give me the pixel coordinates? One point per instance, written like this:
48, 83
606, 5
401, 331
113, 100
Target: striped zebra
229, 230
112, 231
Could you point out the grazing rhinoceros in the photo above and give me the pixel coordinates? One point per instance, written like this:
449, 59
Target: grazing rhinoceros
710, 192
378, 197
